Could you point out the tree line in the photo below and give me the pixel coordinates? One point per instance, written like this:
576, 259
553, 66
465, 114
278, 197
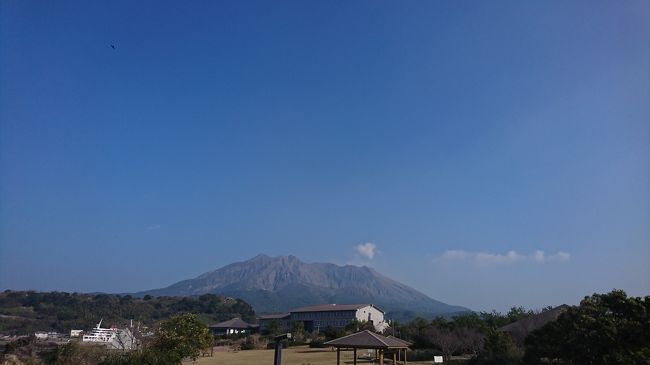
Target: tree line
609, 328
25, 312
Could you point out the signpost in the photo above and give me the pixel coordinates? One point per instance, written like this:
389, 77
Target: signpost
277, 359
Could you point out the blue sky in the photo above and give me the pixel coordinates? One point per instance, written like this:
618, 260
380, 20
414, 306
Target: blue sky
489, 154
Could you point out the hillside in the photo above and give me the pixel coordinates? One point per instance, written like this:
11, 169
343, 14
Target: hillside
274, 284
27, 312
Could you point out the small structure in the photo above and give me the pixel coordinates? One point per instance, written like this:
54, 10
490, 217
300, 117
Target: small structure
370, 340
233, 326
76, 333
41, 335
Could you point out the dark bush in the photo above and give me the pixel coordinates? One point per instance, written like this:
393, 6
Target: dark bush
247, 346
317, 343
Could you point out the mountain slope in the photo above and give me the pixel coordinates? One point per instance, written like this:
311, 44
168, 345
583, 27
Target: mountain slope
273, 284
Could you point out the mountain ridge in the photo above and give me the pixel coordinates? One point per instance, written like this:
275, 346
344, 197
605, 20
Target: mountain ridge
276, 284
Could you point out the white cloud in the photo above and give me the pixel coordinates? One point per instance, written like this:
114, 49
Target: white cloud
541, 257
154, 226
563, 256
455, 255
511, 256
487, 258
367, 250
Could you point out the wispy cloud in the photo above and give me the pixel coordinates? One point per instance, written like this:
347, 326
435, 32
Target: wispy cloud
541, 257
367, 250
487, 258
154, 227
509, 257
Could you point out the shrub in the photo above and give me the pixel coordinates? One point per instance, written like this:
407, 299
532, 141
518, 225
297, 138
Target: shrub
317, 343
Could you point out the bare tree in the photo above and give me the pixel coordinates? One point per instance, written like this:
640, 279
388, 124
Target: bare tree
472, 340
446, 340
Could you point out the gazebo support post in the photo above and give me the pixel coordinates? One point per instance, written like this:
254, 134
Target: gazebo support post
405, 361
338, 356
381, 357
395, 357
355, 356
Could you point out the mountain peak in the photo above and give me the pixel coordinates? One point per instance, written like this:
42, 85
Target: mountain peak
280, 283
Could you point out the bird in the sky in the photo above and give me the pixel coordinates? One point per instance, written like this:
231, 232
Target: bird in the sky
113, 46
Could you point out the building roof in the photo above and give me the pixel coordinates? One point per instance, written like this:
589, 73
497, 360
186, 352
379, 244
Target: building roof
520, 329
234, 323
531, 323
333, 307
367, 340
400, 340
274, 316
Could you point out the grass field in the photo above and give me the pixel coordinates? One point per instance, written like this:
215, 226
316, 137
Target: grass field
290, 356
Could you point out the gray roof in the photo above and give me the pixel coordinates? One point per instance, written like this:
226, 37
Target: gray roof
367, 340
234, 323
333, 307
529, 324
400, 340
273, 316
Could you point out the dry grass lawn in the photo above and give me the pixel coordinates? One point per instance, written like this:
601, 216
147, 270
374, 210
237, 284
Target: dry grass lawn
291, 356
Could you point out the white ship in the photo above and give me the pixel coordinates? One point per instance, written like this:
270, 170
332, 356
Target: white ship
113, 338
99, 334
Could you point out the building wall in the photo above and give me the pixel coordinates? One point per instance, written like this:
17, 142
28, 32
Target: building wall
319, 320
374, 315
285, 323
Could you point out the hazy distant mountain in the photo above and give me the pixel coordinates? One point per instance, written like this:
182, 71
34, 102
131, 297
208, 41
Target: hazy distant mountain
275, 284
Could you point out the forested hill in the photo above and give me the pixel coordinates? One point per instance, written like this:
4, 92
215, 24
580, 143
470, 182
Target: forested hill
26, 312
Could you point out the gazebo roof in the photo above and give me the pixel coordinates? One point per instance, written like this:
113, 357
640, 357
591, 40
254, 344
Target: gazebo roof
400, 340
234, 323
368, 340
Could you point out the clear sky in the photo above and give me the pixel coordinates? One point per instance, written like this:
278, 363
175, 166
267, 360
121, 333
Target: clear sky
489, 154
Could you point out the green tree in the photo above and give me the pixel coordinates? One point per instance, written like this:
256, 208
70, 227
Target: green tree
298, 331
274, 328
73, 353
607, 328
356, 326
148, 356
517, 313
498, 349
183, 335
331, 333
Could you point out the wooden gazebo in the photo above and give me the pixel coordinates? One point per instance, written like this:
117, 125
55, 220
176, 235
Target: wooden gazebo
232, 326
369, 340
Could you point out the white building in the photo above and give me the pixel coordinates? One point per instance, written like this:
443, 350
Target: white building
41, 335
